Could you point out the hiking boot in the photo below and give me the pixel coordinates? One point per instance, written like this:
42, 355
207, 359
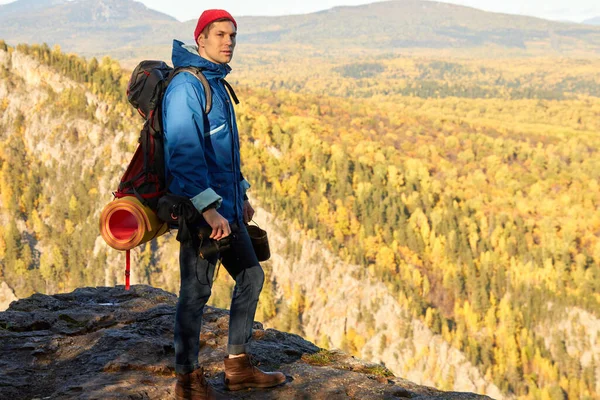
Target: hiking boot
193, 386
240, 373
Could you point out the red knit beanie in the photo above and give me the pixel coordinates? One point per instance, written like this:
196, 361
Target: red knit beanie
209, 16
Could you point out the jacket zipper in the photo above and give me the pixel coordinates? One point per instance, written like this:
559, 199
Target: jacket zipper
233, 152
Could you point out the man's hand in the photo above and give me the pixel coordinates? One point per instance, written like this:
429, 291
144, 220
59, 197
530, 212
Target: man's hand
248, 212
220, 226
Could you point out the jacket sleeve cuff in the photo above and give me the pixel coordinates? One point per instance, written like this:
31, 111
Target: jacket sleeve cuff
205, 199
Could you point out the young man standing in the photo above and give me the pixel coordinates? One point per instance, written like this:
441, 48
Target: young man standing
202, 157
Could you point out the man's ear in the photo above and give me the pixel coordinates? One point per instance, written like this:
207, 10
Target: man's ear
200, 41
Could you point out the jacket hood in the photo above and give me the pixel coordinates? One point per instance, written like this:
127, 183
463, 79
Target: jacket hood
187, 56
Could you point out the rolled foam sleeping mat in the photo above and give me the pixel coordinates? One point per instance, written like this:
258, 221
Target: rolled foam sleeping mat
126, 223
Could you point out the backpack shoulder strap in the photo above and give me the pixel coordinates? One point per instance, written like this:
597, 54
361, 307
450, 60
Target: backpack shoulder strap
231, 91
197, 72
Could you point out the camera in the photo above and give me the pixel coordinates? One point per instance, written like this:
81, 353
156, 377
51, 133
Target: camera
210, 247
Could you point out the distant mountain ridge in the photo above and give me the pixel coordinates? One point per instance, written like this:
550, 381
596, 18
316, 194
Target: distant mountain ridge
28, 6
84, 11
592, 21
408, 23
83, 26
98, 27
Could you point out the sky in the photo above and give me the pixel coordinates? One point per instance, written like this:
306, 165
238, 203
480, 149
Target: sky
183, 10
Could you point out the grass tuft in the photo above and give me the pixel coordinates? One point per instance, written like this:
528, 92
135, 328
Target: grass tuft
322, 357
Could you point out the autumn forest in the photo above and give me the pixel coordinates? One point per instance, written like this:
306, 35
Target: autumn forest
470, 187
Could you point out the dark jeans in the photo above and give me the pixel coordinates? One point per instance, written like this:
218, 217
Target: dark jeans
196, 282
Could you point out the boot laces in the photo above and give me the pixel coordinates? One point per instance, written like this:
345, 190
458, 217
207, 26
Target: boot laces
200, 377
253, 361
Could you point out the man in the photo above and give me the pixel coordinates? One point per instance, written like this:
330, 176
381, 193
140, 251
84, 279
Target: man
202, 159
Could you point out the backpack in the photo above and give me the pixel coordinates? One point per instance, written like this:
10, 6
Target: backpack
144, 178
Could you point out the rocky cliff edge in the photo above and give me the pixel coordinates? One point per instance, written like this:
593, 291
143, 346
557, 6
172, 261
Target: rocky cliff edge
108, 343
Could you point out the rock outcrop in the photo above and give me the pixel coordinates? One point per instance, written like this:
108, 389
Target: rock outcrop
108, 343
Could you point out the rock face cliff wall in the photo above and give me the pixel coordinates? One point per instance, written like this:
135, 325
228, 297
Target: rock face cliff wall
7, 296
108, 343
337, 302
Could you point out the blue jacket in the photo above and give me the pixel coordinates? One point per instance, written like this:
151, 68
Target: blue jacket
202, 152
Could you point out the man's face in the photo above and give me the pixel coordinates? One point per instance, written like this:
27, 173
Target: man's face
219, 44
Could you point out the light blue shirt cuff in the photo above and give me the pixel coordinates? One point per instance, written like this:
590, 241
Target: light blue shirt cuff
206, 198
245, 185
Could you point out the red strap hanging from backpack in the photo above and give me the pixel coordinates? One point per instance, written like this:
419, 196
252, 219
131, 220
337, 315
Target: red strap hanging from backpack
127, 268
